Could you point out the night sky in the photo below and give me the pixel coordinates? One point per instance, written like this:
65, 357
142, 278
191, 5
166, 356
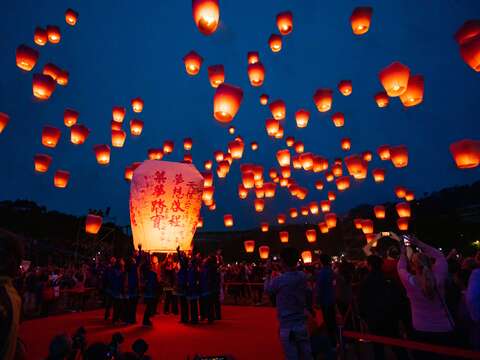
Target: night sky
124, 49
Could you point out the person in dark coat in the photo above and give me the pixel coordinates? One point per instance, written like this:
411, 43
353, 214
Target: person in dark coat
132, 291
181, 285
325, 296
168, 269
150, 292
118, 290
208, 287
107, 286
193, 287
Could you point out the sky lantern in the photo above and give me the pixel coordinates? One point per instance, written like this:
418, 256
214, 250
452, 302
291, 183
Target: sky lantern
62, 78
218, 155
70, 117
231, 130
356, 166
272, 126
469, 30
319, 185
168, 146
61, 178
281, 218
226, 102
399, 156
394, 79
360, 20
329, 176
118, 113
466, 153
155, 154
307, 161
253, 57
4, 120
71, 17
249, 246
283, 157
306, 257
93, 223
51, 70
323, 99
403, 210
137, 105
346, 144
200, 223
53, 34
161, 220
301, 117
278, 109
325, 206
409, 195
367, 156
311, 235
299, 147
290, 141
207, 194
293, 212
400, 191
275, 43
264, 227
280, 132
242, 192
259, 205
50, 136
345, 87
323, 227
40, 36
382, 99
470, 52
207, 179
331, 196
102, 153
378, 175
192, 62
379, 211
206, 15
254, 145
367, 226
43, 86
223, 169
78, 134
273, 173
286, 171
343, 183
187, 144
264, 99
402, 224
296, 163
216, 75
248, 179
187, 158
115, 125
212, 206
235, 148
118, 138
285, 22
136, 127
338, 119
207, 164
319, 164
331, 220
383, 152
313, 207
414, 94
269, 188
256, 74
304, 211
228, 220
263, 252
358, 223
283, 236
42, 162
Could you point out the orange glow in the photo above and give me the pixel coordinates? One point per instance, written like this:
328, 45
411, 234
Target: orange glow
329, 176
269, 188
304, 211
43, 86
40, 36
281, 218
400, 192
345, 87
115, 125
259, 205
414, 93
53, 34
469, 30
360, 20
78, 134
61, 178
187, 144
200, 223
402, 224
264, 227
338, 119
248, 179
263, 252
207, 179
50, 136
278, 109
136, 127
242, 192
331, 220
254, 146
62, 78
192, 62
207, 194
168, 146
307, 257
71, 17
118, 138
293, 212
343, 183
466, 153
325, 206
319, 185
155, 154
331, 196
311, 235
207, 164
378, 175
394, 79
206, 15
382, 99
226, 102
70, 117
307, 161
264, 99
42, 162
272, 126
137, 105
253, 57
356, 166
399, 156
283, 236
275, 43
102, 153
228, 220
4, 120
346, 144
289, 141
337, 169
51, 70
249, 246
283, 157
470, 52
280, 132
313, 207
384, 152
403, 210
358, 223
256, 74
118, 113
323, 99
379, 211
93, 223
323, 227
301, 117
409, 195
285, 22
299, 147
367, 226
216, 75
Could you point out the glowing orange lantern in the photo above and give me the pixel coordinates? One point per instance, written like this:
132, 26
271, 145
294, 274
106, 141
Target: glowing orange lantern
207, 179
264, 99
168, 146
360, 20
302, 117
331, 220
42, 162
53, 34
319, 185
283, 157
50, 136
248, 179
346, 144
399, 156
275, 43
379, 211
155, 154
278, 109
61, 178
293, 212
51, 70
254, 146
325, 205
256, 74
378, 175
323, 227
102, 153
403, 210
93, 223
264, 227
384, 152
249, 246
470, 52
43, 86
414, 93
367, 226
253, 57
283, 236
71, 17
400, 191
285, 22
331, 196
345, 87
118, 113
200, 223
272, 126
263, 252
78, 134
357, 166
70, 117
208, 164
281, 218
469, 30
206, 15
136, 127
311, 235
226, 102
358, 223
337, 169
242, 192
299, 147
409, 195
115, 125
343, 183
307, 161
118, 138
228, 220
40, 36
402, 224
323, 99
306, 257
394, 79
187, 144
329, 176
382, 99
290, 140
466, 153
4, 120
216, 75
259, 205
235, 148
192, 62
338, 119
207, 194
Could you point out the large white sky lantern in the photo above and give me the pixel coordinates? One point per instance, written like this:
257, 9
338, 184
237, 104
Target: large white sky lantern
165, 201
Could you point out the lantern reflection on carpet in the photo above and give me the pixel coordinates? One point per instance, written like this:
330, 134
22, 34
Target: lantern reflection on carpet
165, 201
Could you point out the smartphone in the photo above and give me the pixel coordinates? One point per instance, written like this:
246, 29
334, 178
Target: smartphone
406, 240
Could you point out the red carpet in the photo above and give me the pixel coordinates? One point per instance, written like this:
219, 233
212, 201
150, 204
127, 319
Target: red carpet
247, 333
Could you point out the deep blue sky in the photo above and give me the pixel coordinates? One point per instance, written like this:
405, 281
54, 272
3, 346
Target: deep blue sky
123, 49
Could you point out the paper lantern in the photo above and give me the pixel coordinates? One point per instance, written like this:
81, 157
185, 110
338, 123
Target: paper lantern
242, 192
206, 15
264, 99
293, 212
165, 201
226, 102
466, 153
470, 52
358, 223
283, 236
319, 164
402, 224
307, 161
409, 195
323, 227
311, 235
70, 117
343, 183
346, 144
323, 99
118, 138
62, 78
118, 113
367, 226
4, 120
331, 220
128, 173
223, 169
319, 185
306, 257
71, 17
399, 156
43, 86
285, 22
299, 147
187, 158
137, 105
249, 246
207, 194
331, 196
367, 156
469, 30
263, 252
329, 176
281, 218
235, 148
264, 227
259, 205
187, 144
168, 146
283, 157
200, 223
50, 136
360, 20
384, 152
259, 191
414, 93
155, 154
301, 117
216, 75
136, 127
290, 141
379, 211
207, 179
78, 134
102, 153
272, 126
115, 125
382, 99
42, 162
253, 57
356, 166
394, 79
53, 34
345, 87
248, 179
400, 191
26, 57
378, 175
208, 164
403, 210
93, 223
256, 74
192, 62
338, 119
275, 43
278, 109
51, 70
254, 146
61, 178
325, 205
40, 36
228, 220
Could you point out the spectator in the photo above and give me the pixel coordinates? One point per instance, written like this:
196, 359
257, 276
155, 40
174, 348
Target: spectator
325, 296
